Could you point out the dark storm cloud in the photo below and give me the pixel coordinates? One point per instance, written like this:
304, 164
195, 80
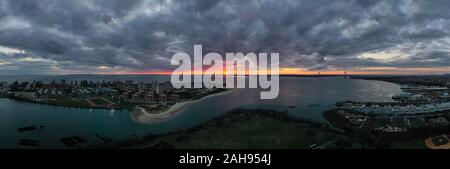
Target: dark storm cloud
142, 35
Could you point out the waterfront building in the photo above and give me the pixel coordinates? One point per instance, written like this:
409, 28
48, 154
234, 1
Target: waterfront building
163, 97
155, 86
150, 98
164, 87
25, 95
174, 97
417, 97
141, 87
129, 82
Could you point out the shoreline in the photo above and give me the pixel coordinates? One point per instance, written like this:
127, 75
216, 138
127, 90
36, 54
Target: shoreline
140, 115
66, 106
238, 115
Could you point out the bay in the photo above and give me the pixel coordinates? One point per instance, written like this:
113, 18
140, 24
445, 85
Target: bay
305, 97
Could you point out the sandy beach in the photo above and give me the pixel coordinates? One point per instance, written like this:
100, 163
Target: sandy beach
140, 115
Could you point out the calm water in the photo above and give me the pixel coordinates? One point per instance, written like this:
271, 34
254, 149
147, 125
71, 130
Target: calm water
302, 93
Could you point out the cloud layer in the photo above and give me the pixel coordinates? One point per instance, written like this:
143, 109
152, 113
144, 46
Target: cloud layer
85, 36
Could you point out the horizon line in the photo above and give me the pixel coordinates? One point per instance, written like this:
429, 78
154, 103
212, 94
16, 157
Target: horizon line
281, 74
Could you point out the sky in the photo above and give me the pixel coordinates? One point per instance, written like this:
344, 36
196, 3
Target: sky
140, 36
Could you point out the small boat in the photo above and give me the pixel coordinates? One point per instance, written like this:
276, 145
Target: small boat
28, 142
313, 105
73, 141
28, 128
105, 139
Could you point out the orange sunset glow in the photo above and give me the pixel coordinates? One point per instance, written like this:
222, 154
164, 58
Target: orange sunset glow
300, 71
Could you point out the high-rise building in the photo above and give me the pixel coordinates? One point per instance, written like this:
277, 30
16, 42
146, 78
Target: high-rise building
155, 86
141, 87
129, 82
167, 86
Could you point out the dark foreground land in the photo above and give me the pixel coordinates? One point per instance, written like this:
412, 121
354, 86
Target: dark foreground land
260, 129
247, 129
390, 131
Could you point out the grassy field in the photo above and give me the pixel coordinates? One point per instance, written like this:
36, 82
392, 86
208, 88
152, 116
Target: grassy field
257, 129
62, 101
99, 101
258, 132
249, 131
